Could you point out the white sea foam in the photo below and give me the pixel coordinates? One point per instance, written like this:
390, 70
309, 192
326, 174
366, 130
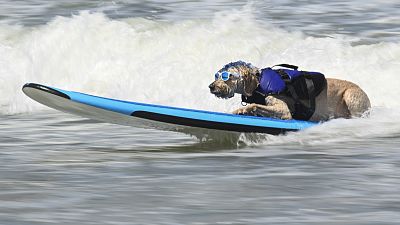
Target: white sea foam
172, 63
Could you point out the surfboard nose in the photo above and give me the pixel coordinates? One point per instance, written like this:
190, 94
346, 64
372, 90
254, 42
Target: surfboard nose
33, 86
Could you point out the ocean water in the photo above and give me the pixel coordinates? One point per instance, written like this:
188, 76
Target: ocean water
57, 168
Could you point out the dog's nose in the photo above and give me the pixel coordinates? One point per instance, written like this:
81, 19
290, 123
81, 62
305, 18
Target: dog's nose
211, 86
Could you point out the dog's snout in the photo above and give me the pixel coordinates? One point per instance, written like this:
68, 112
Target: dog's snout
211, 86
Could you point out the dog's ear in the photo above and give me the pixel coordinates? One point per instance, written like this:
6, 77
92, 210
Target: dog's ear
250, 82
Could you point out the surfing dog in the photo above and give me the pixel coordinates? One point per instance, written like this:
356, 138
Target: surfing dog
335, 99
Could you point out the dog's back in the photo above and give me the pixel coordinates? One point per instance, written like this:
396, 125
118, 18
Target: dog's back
340, 99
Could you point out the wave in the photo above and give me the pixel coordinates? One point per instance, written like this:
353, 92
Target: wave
172, 63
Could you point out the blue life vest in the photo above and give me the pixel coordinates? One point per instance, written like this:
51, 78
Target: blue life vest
299, 85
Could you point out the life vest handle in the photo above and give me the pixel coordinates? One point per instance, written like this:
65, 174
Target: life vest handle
287, 66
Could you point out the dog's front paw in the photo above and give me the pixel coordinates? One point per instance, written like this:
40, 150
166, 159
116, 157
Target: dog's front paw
239, 111
248, 110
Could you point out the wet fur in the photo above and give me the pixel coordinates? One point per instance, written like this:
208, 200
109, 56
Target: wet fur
339, 99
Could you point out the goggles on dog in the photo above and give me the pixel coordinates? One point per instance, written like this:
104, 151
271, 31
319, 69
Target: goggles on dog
225, 75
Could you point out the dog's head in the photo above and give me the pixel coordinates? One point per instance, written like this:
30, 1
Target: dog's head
235, 77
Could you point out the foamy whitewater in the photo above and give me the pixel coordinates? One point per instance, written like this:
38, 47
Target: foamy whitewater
172, 63
57, 168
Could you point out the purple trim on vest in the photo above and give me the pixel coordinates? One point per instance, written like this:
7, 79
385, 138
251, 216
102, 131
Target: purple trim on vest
270, 82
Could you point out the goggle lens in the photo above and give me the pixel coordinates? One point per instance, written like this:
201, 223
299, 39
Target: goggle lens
224, 75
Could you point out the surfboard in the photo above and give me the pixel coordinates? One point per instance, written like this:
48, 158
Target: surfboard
152, 116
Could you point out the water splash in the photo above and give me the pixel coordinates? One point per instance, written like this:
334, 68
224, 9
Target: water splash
172, 63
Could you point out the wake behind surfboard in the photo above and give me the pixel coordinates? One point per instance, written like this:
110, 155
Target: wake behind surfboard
156, 116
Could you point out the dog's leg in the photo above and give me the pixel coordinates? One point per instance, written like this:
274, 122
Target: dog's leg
357, 101
275, 108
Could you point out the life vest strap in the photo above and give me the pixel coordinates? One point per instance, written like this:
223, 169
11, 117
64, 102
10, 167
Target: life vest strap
300, 88
256, 97
287, 66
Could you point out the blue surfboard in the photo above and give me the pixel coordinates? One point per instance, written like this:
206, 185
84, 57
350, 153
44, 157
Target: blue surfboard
156, 116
